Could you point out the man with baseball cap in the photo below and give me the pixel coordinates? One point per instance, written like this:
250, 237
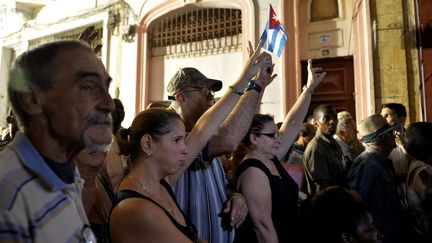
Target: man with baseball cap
191, 77
201, 190
190, 83
372, 176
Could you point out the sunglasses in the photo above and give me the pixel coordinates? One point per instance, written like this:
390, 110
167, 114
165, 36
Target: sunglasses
273, 135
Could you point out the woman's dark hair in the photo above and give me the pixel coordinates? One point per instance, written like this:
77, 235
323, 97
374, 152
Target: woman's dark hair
335, 211
154, 121
418, 141
257, 126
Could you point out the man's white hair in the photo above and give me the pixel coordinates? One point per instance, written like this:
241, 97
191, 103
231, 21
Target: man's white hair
344, 117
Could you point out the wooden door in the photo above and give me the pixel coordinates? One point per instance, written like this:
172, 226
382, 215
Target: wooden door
425, 35
337, 88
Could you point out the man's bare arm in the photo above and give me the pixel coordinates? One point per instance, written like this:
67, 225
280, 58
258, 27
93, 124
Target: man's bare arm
236, 125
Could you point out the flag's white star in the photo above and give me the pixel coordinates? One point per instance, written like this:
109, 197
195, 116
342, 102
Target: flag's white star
275, 18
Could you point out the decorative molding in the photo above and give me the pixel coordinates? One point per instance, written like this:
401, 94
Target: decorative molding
249, 32
28, 9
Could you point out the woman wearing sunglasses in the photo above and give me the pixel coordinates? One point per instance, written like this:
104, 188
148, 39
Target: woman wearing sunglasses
271, 194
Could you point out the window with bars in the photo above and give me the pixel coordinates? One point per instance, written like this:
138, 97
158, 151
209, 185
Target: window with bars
197, 30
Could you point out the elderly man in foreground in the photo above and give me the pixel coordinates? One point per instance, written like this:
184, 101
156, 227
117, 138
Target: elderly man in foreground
59, 93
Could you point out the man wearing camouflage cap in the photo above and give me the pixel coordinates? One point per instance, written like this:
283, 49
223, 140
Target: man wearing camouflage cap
191, 77
201, 191
188, 82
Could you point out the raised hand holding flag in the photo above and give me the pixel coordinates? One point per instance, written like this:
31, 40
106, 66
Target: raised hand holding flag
273, 37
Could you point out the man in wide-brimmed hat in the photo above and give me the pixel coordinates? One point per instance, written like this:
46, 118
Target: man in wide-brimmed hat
372, 176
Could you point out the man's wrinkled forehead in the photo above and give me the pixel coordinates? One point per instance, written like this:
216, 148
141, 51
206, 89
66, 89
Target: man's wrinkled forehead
88, 66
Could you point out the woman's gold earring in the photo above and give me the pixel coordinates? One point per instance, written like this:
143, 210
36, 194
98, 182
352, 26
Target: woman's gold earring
149, 154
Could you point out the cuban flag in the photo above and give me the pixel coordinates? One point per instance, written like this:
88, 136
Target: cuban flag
273, 37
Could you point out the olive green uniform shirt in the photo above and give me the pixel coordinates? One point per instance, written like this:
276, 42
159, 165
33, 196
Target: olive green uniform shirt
324, 160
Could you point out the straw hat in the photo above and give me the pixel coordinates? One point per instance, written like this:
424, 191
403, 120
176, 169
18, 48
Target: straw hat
373, 126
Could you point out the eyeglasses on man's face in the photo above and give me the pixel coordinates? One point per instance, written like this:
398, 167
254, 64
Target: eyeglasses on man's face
204, 91
274, 135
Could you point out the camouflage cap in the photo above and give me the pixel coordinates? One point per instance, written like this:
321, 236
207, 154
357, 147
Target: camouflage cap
191, 77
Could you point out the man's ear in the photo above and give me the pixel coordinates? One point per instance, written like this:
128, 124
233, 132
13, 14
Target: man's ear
315, 123
180, 97
342, 133
29, 101
346, 238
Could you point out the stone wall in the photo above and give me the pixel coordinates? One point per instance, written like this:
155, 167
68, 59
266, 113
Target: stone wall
395, 57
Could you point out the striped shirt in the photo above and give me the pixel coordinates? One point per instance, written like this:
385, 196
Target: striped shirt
201, 194
35, 204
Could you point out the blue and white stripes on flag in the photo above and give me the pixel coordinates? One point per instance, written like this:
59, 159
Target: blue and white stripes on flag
274, 37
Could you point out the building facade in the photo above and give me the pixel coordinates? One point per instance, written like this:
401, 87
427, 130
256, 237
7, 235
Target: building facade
371, 50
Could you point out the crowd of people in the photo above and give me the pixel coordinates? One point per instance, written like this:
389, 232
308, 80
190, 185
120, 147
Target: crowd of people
70, 171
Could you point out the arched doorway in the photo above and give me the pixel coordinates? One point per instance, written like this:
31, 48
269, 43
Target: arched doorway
147, 89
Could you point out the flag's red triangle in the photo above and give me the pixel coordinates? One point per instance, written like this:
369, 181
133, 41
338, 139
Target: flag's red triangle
273, 19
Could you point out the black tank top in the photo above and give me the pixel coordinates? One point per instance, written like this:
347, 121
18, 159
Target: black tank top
284, 196
189, 230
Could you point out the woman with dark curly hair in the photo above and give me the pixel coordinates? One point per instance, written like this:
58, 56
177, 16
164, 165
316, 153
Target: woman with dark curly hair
337, 217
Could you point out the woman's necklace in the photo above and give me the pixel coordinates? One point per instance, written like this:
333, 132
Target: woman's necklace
168, 207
